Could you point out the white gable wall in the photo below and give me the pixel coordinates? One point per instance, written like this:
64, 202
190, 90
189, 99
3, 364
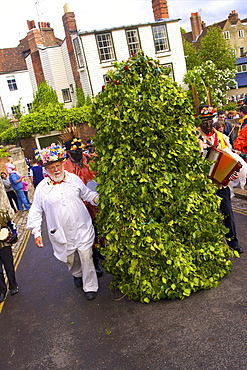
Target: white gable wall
11, 98
31, 72
176, 46
69, 73
120, 45
55, 71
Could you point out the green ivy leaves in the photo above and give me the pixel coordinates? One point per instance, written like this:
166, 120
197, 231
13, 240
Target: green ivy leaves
158, 210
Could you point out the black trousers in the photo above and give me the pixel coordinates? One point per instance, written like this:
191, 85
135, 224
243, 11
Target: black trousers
6, 260
12, 197
229, 221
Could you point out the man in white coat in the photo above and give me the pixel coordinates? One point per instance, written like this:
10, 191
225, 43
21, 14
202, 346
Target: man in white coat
60, 196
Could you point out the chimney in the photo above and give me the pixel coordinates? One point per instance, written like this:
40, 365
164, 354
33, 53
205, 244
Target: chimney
233, 17
31, 24
196, 25
70, 27
34, 38
47, 32
160, 9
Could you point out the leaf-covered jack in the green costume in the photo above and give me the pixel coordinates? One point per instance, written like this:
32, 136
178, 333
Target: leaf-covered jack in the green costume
158, 210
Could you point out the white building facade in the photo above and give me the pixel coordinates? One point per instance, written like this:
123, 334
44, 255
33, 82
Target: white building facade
15, 87
97, 50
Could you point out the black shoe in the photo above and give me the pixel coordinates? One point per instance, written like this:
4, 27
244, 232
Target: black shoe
2, 297
77, 281
14, 291
239, 249
90, 295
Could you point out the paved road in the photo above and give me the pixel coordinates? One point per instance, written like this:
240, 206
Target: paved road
50, 324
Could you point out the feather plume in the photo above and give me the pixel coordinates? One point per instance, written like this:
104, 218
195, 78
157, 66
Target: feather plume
70, 132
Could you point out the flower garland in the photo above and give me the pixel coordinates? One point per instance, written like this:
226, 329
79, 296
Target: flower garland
50, 154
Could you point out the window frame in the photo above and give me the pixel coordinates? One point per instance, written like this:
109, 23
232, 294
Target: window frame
69, 95
240, 68
106, 79
78, 52
53, 135
170, 65
12, 85
241, 34
227, 35
111, 53
165, 40
241, 51
132, 43
14, 109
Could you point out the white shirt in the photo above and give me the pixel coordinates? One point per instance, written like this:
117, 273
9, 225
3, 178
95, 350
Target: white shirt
69, 224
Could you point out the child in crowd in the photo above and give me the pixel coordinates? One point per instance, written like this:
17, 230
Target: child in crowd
25, 188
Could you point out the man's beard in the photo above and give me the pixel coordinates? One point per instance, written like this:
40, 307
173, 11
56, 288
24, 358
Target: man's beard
57, 178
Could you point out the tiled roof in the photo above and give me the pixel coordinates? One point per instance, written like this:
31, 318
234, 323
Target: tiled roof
11, 60
219, 24
188, 37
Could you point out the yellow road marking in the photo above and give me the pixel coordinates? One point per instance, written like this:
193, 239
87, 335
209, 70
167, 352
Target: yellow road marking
237, 210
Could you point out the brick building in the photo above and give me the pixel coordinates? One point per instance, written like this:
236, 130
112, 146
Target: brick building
233, 28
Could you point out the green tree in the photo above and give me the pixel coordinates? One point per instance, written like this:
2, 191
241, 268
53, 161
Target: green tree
212, 47
80, 97
52, 117
45, 95
88, 100
158, 209
18, 110
215, 48
192, 57
4, 124
7, 132
4, 153
209, 83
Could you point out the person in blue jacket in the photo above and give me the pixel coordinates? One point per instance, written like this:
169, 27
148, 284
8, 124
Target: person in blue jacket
16, 182
36, 173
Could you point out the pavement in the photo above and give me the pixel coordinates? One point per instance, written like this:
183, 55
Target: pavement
50, 325
240, 193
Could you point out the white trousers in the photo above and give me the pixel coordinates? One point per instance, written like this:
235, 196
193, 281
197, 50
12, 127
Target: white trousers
80, 264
